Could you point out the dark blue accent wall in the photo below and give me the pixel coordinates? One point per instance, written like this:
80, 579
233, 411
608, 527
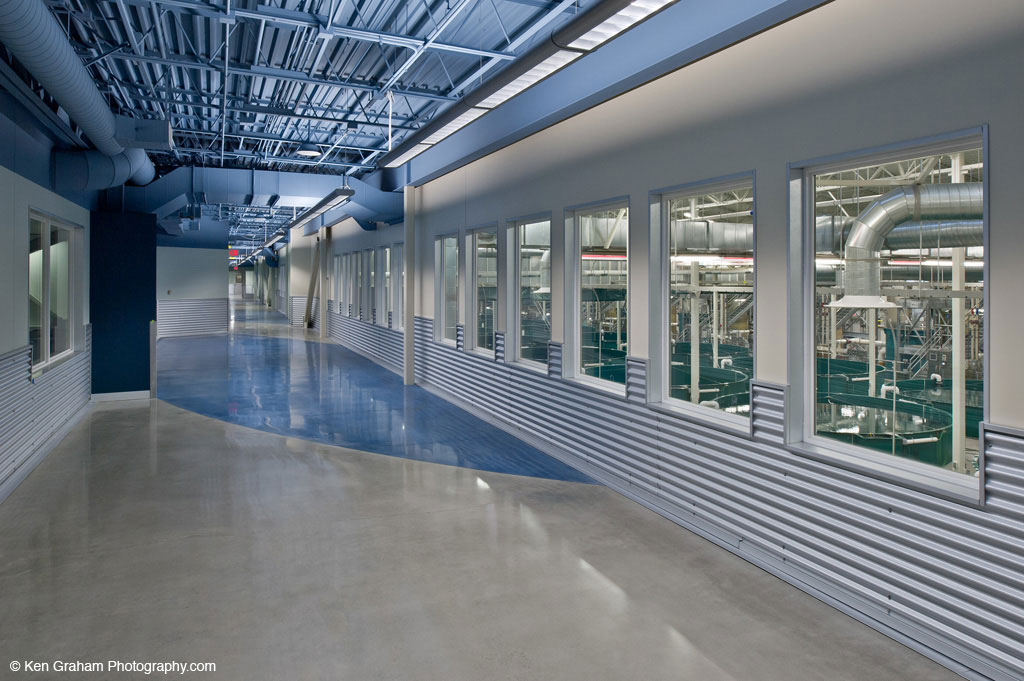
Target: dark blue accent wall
122, 299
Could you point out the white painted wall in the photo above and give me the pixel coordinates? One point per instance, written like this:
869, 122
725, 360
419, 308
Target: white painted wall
845, 77
17, 197
190, 273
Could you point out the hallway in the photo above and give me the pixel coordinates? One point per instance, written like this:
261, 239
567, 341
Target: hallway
155, 532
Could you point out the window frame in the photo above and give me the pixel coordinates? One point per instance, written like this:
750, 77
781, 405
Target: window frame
660, 271
514, 323
799, 425
74, 298
470, 339
572, 333
398, 285
440, 315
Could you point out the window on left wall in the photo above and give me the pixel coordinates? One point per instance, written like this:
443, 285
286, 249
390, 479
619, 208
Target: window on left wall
51, 312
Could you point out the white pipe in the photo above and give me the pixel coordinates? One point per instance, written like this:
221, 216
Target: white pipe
936, 377
919, 440
714, 327
726, 362
890, 388
872, 350
695, 334
710, 403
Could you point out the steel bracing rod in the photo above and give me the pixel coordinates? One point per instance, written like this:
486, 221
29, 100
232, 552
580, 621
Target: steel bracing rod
271, 138
277, 16
520, 40
281, 74
274, 159
441, 26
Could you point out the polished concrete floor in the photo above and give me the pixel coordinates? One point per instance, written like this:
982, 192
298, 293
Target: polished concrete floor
280, 379
155, 533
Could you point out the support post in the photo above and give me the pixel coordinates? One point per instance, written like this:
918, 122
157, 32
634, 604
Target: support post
833, 343
695, 334
959, 363
409, 307
872, 322
325, 274
715, 326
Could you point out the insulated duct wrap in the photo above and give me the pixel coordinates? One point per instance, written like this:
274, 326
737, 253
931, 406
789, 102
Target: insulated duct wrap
869, 231
34, 37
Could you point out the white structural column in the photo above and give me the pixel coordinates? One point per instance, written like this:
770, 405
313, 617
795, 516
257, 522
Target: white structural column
958, 386
872, 322
695, 333
409, 308
959, 359
715, 327
325, 275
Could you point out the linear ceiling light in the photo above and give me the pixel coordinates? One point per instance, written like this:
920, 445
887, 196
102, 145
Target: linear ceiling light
634, 13
462, 121
336, 198
531, 77
407, 156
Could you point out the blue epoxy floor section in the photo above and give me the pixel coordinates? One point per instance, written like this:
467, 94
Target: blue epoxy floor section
321, 391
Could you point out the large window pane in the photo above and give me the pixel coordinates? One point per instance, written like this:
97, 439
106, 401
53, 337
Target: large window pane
36, 269
398, 265
60, 291
534, 239
371, 286
385, 318
359, 307
603, 284
486, 272
711, 298
450, 285
899, 314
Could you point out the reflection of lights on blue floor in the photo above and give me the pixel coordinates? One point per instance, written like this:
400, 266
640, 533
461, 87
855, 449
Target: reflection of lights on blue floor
275, 384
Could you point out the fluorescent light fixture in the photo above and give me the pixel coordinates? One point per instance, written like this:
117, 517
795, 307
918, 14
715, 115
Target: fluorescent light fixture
308, 150
828, 261
407, 156
537, 73
456, 124
336, 198
719, 260
969, 264
625, 18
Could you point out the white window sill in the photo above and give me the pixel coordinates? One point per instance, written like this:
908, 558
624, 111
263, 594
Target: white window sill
921, 477
535, 367
609, 387
705, 416
52, 363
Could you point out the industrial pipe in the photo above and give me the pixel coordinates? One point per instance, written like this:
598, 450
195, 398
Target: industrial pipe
34, 37
867, 235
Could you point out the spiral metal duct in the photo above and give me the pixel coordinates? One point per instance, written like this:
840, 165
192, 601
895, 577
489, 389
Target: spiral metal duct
869, 231
34, 37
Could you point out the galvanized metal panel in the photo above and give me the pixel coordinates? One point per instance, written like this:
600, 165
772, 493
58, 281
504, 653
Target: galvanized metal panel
554, 359
943, 577
33, 411
636, 380
191, 317
767, 412
297, 307
499, 346
1003, 456
376, 342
